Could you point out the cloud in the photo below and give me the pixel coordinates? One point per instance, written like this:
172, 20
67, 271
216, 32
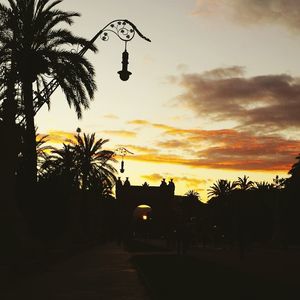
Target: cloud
148, 123
121, 133
173, 144
139, 122
111, 116
219, 149
58, 137
268, 102
281, 12
191, 182
155, 177
215, 149
220, 73
249, 152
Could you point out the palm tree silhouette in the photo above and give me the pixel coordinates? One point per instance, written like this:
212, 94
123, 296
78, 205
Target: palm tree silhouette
60, 163
221, 189
244, 184
193, 196
93, 163
81, 162
41, 49
262, 186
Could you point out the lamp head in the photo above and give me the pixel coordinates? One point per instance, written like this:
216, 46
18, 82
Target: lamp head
124, 73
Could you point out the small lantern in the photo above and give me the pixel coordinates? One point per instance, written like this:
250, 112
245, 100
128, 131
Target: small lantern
124, 73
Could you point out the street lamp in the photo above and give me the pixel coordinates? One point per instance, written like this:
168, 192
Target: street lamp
123, 151
123, 29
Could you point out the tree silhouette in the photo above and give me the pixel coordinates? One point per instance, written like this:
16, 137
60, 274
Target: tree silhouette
262, 186
244, 184
92, 163
221, 189
61, 163
41, 49
192, 194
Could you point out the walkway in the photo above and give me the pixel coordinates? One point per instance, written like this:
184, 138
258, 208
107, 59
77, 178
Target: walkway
103, 272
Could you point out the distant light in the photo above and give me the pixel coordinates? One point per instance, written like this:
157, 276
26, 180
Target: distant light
145, 217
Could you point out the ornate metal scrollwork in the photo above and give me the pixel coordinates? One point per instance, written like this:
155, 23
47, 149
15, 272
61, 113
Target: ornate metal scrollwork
121, 28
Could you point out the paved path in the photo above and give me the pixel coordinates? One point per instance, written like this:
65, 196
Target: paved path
103, 272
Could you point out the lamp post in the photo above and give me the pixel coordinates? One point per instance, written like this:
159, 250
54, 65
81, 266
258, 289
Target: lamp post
123, 29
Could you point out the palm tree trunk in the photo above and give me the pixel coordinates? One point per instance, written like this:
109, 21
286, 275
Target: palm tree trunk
8, 206
30, 138
84, 205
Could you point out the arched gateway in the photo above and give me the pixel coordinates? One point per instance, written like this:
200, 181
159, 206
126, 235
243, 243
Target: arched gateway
159, 198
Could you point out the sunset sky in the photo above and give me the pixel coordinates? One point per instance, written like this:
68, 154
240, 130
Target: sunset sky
215, 95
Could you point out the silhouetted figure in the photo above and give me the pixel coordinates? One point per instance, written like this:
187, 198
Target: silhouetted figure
163, 183
127, 183
171, 185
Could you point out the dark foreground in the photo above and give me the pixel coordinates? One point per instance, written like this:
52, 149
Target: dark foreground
147, 270
103, 272
221, 274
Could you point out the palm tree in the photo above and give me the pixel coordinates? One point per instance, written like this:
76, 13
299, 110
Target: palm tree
38, 48
279, 183
93, 163
60, 162
192, 194
244, 183
262, 186
94, 173
221, 189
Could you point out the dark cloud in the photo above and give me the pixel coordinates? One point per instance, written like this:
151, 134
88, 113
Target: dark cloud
282, 12
269, 102
250, 152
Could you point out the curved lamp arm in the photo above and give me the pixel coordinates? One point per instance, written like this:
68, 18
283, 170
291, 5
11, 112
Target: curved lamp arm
122, 28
